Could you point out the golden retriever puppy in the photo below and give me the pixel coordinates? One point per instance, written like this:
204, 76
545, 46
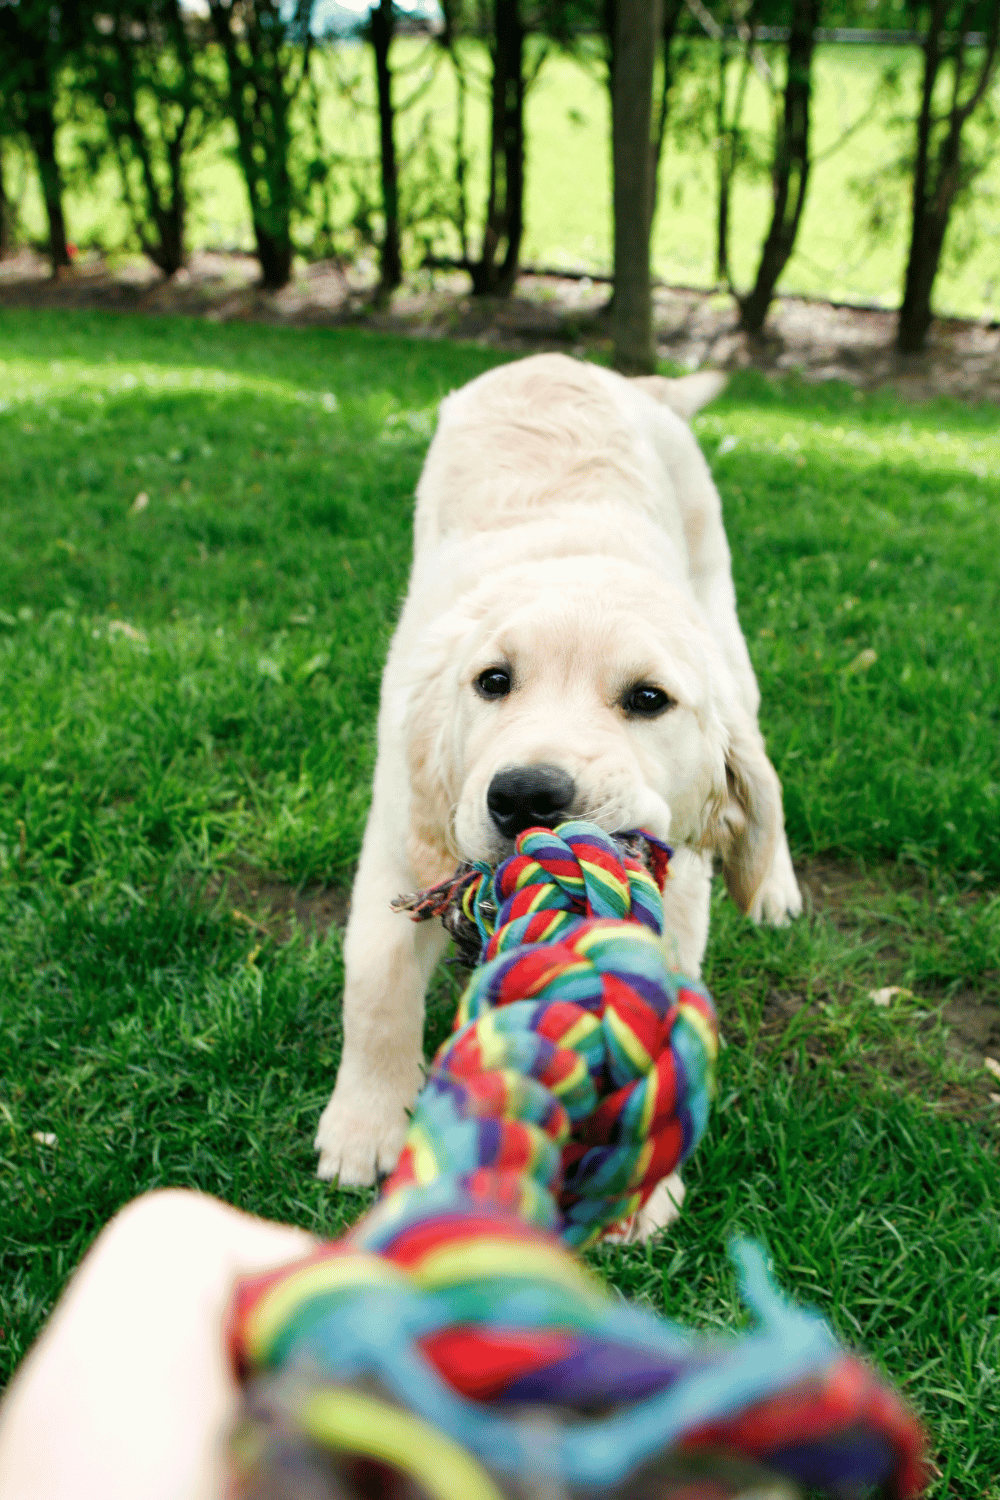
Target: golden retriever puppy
568, 647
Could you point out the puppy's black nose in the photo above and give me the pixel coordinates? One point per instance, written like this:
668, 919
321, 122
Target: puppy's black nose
526, 795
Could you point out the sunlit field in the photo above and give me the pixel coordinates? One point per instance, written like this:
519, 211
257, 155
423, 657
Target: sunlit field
568, 177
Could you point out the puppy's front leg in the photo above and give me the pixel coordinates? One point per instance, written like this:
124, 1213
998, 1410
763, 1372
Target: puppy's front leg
779, 898
388, 961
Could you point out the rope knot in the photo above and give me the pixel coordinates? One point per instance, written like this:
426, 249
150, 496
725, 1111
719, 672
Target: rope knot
557, 877
572, 991
578, 1075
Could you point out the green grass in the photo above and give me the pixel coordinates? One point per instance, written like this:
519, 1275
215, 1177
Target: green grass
882, 1219
568, 211
162, 1040
865, 538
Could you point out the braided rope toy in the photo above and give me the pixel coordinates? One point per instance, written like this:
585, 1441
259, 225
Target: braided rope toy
451, 1345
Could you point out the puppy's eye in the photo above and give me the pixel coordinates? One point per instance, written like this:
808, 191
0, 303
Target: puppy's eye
494, 682
646, 701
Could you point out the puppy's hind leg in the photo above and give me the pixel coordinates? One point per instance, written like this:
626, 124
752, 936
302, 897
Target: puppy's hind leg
388, 960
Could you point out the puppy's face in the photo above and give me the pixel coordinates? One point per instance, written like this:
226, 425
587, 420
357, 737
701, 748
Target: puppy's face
584, 689
575, 706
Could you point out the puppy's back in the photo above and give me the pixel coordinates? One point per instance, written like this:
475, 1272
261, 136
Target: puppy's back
534, 436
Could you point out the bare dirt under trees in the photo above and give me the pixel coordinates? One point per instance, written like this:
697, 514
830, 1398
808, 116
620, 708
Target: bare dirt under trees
693, 328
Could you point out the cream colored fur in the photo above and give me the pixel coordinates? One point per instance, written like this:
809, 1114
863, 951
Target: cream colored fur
567, 527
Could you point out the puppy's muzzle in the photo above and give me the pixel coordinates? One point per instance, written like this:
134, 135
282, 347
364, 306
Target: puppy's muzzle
524, 796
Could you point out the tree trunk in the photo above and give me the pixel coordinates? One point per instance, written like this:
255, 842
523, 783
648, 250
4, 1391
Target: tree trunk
722, 231
450, 11
6, 214
937, 178
728, 137
461, 161
915, 315
636, 34
390, 257
790, 174
505, 205
166, 248
164, 211
272, 210
275, 253
259, 108
42, 134
724, 170
391, 264
672, 12
171, 224
172, 234
609, 24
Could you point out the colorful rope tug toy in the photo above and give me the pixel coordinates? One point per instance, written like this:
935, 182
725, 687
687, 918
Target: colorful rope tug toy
451, 1345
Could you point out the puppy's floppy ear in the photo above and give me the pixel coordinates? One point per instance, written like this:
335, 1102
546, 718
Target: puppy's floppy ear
748, 820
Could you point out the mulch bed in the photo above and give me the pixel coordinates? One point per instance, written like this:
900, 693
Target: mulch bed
821, 340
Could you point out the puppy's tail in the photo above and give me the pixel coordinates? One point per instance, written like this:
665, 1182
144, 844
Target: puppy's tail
686, 395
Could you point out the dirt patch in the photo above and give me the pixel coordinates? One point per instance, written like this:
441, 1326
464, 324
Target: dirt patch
837, 887
853, 898
975, 1028
693, 328
273, 908
849, 895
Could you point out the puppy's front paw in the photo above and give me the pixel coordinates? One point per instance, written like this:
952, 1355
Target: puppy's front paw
779, 899
661, 1208
360, 1136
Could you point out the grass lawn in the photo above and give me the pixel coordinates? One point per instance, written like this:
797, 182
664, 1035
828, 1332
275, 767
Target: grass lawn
190, 683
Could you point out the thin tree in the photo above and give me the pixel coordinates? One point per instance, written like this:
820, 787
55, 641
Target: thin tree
382, 27
140, 65
35, 40
495, 272
672, 60
448, 38
728, 136
943, 166
790, 165
637, 29
6, 210
506, 25
731, 142
267, 60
